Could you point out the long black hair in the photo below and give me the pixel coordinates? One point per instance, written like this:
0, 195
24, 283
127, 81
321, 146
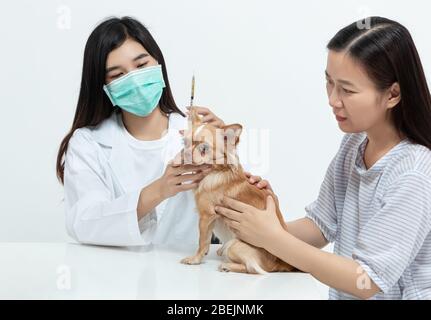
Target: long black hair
386, 51
93, 105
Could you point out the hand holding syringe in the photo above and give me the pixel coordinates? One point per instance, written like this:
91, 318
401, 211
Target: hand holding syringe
207, 115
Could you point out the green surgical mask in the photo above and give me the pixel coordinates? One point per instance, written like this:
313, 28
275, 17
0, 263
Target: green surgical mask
137, 92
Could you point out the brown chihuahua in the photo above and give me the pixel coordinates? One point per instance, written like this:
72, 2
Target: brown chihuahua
206, 144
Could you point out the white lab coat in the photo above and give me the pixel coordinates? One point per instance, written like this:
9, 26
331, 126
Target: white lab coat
101, 194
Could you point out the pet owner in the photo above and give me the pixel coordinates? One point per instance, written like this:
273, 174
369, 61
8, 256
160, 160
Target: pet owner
375, 200
119, 187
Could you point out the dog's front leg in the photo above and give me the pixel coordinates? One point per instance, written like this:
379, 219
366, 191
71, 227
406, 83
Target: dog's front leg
206, 226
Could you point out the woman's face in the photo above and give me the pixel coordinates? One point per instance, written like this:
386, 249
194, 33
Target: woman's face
354, 99
131, 55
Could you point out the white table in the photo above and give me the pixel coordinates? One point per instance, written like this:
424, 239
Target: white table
73, 271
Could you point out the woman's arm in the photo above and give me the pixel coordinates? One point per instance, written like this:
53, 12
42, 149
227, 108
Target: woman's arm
93, 216
149, 198
306, 230
262, 229
338, 272
176, 179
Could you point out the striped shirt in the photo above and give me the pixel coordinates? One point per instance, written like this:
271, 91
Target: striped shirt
380, 217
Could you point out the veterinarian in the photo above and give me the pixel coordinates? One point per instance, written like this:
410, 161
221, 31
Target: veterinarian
119, 187
375, 200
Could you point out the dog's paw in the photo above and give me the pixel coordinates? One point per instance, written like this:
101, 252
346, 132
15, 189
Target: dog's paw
192, 260
220, 251
223, 267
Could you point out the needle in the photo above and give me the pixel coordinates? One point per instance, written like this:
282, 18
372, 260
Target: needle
193, 91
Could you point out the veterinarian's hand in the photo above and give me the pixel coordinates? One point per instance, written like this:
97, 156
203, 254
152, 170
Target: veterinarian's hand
250, 224
179, 178
209, 117
261, 184
258, 182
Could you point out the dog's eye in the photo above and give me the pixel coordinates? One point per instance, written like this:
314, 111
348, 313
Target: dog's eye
204, 148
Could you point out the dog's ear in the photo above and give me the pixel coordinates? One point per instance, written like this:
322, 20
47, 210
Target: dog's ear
194, 117
232, 133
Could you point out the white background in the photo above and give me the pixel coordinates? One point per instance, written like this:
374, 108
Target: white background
259, 63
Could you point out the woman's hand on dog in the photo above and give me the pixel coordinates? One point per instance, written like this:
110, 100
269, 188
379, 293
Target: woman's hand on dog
209, 117
258, 181
254, 226
261, 184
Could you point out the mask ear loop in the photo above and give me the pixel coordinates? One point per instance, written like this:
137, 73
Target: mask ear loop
105, 88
